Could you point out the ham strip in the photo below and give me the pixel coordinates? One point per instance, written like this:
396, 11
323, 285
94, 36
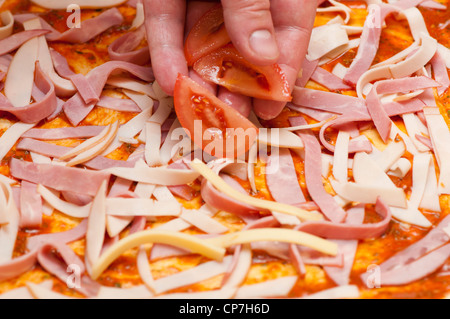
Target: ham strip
281, 178
435, 238
30, 206
17, 266
79, 80
370, 39
350, 231
313, 175
38, 111
59, 266
79, 132
76, 109
14, 41
56, 176
88, 30
328, 80
118, 104
122, 48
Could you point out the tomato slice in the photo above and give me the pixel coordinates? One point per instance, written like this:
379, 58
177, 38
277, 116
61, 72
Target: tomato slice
218, 129
226, 67
207, 35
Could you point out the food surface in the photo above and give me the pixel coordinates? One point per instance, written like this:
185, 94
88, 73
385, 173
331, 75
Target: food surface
110, 188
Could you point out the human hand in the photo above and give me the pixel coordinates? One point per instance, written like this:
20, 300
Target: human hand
264, 32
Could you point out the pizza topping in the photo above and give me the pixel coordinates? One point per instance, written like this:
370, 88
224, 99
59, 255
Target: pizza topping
349, 163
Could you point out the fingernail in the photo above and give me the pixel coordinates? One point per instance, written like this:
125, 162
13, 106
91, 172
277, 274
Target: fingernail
263, 44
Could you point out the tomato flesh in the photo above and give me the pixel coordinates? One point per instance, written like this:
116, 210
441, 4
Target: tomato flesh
218, 129
207, 35
226, 67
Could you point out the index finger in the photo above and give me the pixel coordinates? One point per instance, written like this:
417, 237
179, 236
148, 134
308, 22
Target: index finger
293, 21
164, 24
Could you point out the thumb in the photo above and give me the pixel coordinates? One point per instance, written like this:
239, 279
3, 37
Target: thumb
250, 27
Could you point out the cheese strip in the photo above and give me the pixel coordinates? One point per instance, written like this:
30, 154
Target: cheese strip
282, 138
155, 175
11, 136
84, 4
8, 23
96, 228
20, 78
64, 207
181, 240
275, 234
369, 193
10, 227
142, 207
221, 185
325, 39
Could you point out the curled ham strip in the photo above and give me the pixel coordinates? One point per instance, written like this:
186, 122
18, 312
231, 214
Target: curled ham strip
56, 176
85, 4
434, 239
313, 176
417, 269
440, 72
37, 111
76, 109
122, 48
78, 80
15, 40
349, 231
58, 266
88, 30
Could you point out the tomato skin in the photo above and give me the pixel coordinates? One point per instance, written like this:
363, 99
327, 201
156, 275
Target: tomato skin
214, 126
207, 35
226, 67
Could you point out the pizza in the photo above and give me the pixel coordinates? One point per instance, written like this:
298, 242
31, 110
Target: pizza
111, 188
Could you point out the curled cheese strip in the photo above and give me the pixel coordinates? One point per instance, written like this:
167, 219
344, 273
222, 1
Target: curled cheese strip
11, 136
337, 7
93, 141
275, 234
181, 240
96, 150
84, 4
8, 23
64, 207
415, 62
221, 185
140, 16
325, 39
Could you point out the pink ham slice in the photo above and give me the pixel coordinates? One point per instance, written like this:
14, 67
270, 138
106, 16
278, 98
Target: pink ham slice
350, 231
82, 181
61, 261
123, 49
329, 80
118, 104
435, 238
89, 29
281, 178
417, 269
37, 111
370, 41
56, 151
14, 41
313, 175
62, 133
76, 109
79, 80
308, 68
30, 206
18, 266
